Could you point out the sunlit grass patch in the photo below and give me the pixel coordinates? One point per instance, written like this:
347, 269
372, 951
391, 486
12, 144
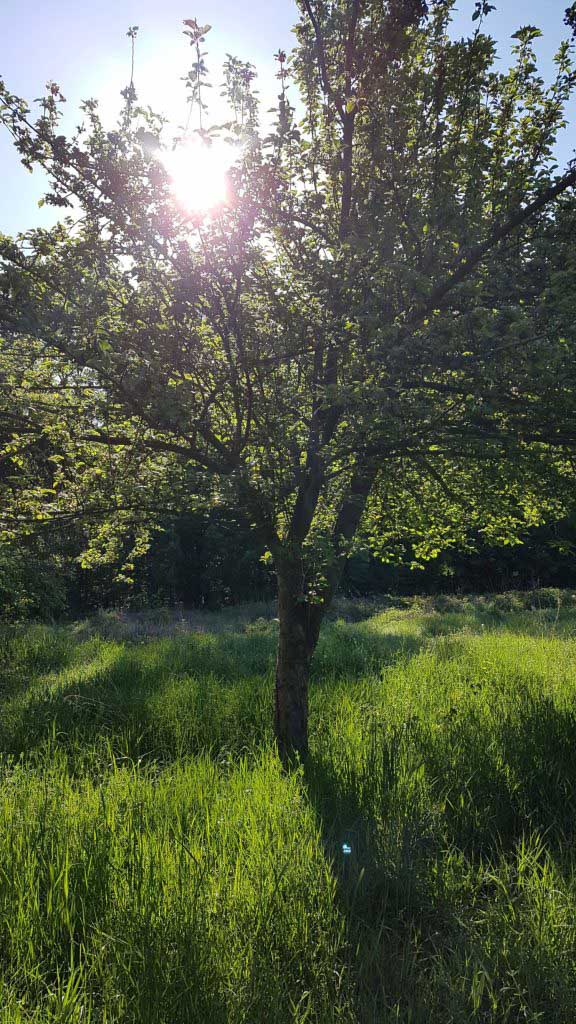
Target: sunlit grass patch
157, 865
195, 893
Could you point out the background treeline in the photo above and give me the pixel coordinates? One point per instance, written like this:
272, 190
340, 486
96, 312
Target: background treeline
212, 559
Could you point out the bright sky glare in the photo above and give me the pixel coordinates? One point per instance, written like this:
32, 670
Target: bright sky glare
199, 174
84, 48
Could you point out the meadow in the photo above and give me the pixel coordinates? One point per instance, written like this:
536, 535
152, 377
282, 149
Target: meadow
158, 866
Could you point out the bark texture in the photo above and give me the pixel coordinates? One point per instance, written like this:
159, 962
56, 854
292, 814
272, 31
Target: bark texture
300, 620
299, 628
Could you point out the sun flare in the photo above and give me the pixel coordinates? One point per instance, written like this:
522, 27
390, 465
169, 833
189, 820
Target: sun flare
199, 174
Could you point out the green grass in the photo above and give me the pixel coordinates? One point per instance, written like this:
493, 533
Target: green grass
158, 867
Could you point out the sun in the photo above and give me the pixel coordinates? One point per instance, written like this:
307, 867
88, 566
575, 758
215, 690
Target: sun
199, 174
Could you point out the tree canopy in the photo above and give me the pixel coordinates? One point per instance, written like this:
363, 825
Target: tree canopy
371, 335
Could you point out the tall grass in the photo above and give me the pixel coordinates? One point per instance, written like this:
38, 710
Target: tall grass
157, 866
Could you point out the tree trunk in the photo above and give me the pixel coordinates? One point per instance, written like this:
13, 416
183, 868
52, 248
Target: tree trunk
300, 620
298, 635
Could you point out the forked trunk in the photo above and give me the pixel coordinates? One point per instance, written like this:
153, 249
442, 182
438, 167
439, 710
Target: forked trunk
298, 635
300, 620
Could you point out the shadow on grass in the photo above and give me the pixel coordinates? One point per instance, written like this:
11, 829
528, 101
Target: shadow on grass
26, 652
348, 652
482, 619
503, 777
420, 812
167, 698
157, 701
407, 812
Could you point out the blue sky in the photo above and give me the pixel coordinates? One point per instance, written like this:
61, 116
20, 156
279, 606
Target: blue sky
84, 48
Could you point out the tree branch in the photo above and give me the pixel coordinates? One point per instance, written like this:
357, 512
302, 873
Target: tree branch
498, 234
326, 87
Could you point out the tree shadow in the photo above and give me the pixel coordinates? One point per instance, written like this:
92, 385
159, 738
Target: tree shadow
165, 698
502, 777
393, 803
27, 651
155, 701
469, 794
481, 619
351, 651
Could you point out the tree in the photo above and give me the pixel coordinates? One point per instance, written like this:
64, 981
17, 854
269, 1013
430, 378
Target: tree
343, 343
